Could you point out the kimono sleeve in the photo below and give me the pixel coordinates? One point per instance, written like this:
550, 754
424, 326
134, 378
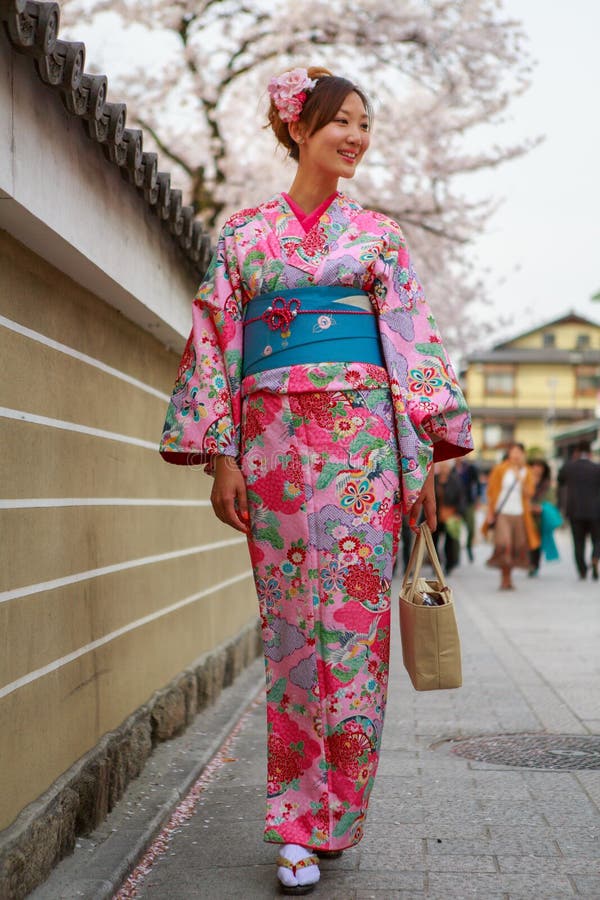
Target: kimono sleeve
203, 416
432, 418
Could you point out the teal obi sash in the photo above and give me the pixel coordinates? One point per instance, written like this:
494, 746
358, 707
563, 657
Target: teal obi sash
310, 325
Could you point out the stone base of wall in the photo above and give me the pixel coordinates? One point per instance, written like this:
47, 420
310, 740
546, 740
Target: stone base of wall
81, 799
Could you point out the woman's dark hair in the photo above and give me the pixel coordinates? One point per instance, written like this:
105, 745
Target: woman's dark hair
320, 107
546, 472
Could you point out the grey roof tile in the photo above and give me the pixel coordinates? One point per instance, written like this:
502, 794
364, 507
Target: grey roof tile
32, 28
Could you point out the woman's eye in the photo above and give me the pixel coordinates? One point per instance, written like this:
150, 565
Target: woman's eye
341, 121
365, 126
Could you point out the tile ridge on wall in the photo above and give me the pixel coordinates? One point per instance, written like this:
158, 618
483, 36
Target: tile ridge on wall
32, 28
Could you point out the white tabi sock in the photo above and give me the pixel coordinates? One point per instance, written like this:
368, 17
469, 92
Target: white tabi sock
301, 868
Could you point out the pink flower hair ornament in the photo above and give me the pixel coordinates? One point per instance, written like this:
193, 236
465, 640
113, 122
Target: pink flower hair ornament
288, 93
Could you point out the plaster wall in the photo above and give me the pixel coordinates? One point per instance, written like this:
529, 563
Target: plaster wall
115, 574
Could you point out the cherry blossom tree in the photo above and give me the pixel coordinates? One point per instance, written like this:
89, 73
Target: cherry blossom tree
442, 74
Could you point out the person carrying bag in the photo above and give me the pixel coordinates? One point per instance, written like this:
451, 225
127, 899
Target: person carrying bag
510, 490
489, 526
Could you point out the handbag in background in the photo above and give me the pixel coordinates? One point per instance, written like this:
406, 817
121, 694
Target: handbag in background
430, 641
489, 526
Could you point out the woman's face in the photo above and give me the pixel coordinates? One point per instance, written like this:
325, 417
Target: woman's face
337, 148
516, 456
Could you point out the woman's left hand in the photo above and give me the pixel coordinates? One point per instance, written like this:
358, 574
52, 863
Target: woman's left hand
426, 502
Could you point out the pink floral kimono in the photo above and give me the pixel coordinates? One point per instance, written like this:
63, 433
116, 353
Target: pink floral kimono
332, 452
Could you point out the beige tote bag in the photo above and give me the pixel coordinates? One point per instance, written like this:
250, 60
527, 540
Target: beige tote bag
430, 642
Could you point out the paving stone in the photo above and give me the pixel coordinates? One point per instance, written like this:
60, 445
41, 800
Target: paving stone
397, 813
556, 816
64, 889
398, 765
244, 848
230, 883
385, 895
349, 861
566, 789
378, 841
516, 843
588, 885
346, 893
397, 785
454, 862
384, 877
590, 782
439, 832
241, 810
484, 886
582, 846
458, 845
520, 814
506, 789
568, 865
404, 766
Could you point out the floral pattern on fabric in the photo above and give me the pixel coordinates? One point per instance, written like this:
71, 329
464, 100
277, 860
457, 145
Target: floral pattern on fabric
327, 450
325, 515
265, 249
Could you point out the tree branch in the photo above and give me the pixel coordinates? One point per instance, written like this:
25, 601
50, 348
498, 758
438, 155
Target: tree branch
170, 154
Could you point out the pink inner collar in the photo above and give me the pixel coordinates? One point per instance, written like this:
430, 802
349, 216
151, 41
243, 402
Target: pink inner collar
307, 220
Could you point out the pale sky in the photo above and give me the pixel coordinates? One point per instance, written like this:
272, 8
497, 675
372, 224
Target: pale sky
543, 246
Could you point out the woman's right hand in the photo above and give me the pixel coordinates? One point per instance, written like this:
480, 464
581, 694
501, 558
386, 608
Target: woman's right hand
228, 496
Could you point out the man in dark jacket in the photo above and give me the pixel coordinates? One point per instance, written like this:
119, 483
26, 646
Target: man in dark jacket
579, 480
450, 498
469, 475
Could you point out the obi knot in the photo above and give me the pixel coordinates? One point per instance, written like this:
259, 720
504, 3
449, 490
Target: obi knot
281, 313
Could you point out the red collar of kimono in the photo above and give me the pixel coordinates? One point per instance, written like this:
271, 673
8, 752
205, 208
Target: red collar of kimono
283, 220
307, 220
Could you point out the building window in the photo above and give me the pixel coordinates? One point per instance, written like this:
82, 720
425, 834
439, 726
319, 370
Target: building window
500, 383
587, 381
497, 436
549, 339
583, 342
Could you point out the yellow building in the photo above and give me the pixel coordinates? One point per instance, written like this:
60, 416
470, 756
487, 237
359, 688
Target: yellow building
538, 386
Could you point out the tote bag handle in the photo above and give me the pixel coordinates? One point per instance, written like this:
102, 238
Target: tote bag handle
423, 541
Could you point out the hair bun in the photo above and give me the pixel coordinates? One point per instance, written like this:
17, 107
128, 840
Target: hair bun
316, 72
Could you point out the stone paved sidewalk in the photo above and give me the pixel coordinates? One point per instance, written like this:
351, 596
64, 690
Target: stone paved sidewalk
439, 826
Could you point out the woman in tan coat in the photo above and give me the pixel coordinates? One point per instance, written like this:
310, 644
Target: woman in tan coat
510, 489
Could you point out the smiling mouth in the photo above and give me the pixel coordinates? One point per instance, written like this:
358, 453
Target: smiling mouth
349, 157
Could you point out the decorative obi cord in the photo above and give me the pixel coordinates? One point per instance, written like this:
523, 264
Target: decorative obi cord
310, 325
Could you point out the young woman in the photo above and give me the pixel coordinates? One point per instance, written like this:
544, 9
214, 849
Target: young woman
316, 388
509, 493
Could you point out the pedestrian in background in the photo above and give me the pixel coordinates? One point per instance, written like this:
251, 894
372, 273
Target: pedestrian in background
316, 388
542, 478
509, 492
469, 475
407, 539
580, 479
450, 501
